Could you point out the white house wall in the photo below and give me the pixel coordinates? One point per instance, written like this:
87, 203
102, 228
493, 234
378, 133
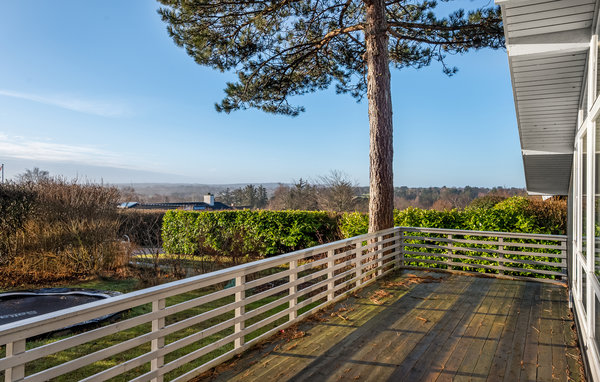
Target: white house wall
552, 48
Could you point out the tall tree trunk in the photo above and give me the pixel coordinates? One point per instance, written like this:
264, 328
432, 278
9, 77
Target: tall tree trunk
381, 200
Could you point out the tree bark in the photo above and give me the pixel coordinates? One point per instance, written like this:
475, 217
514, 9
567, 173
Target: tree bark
381, 194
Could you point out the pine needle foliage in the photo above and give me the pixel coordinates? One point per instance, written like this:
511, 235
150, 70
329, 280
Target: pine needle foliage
285, 48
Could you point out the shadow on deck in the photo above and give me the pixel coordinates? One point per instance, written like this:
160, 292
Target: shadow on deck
425, 326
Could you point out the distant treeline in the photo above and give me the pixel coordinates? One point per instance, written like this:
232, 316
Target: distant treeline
446, 198
332, 192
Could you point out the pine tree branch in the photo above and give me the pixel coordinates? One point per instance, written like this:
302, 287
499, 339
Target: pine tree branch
425, 40
435, 27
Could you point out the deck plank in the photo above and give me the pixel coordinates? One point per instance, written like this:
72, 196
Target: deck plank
545, 337
431, 366
475, 352
450, 369
504, 348
559, 361
490, 347
531, 352
571, 345
453, 327
441, 321
523, 331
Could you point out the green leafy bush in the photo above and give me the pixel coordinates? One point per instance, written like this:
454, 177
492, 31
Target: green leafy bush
246, 233
486, 201
516, 214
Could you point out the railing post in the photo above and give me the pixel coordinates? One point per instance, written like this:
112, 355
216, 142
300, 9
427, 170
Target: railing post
331, 282
293, 290
379, 256
449, 252
500, 254
563, 260
400, 249
358, 264
18, 372
239, 312
157, 343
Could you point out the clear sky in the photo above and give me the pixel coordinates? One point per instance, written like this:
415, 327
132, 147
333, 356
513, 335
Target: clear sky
99, 90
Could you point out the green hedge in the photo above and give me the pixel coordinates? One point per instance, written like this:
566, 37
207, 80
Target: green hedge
249, 234
245, 232
516, 214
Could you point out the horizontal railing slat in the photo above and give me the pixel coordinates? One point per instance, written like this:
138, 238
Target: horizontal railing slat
532, 236
561, 264
488, 266
410, 239
484, 250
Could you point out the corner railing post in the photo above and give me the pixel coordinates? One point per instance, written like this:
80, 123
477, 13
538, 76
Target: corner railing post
359, 267
563, 260
379, 256
15, 373
239, 312
331, 282
158, 343
449, 252
293, 290
400, 250
501, 253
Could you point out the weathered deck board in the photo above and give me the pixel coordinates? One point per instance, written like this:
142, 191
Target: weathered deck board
432, 327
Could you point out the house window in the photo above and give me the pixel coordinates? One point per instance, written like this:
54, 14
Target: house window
597, 322
584, 287
596, 170
583, 193
597, 71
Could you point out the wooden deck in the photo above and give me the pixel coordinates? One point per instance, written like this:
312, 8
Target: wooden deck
425, 326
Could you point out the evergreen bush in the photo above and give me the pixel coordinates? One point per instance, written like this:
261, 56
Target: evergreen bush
247, 233
516, 214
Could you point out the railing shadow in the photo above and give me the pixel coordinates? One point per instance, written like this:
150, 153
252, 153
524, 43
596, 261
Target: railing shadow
345, 351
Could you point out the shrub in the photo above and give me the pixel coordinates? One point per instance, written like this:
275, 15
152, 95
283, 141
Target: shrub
355, 223
486, 201
16, 203
516, 214
64, 229
141, 227
246, 233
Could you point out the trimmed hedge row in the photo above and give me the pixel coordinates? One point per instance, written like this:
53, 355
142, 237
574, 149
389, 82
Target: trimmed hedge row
246, 233
249, 234
516, 214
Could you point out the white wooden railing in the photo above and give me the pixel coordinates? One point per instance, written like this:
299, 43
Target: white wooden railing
268, 295
518, 255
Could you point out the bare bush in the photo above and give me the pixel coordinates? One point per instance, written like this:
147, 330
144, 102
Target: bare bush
16, 204
71, 230
337, 192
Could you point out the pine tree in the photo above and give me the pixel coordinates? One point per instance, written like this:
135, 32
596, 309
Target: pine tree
284, 48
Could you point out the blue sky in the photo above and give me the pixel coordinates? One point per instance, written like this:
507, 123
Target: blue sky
97, 89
